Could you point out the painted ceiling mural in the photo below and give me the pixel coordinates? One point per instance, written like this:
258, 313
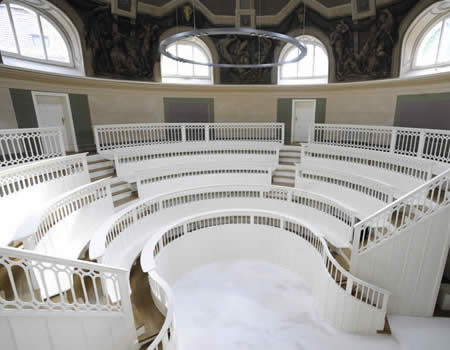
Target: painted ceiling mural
128, 49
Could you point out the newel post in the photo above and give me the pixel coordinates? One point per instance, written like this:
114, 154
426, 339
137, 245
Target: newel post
207, 132
421, 144
183, 133
393, 140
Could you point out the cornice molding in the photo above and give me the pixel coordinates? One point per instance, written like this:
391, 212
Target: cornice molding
8, 74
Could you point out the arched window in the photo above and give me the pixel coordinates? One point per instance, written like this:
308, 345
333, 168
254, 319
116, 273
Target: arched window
184, 73
312, 69
31, 35
426, 47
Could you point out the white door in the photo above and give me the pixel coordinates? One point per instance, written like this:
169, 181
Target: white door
304, 115
54, 110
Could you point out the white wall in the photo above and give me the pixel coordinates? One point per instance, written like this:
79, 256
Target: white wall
64, 331
409, 265
113, 101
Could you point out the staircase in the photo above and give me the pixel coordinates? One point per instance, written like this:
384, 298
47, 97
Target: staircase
122, 192
284, 174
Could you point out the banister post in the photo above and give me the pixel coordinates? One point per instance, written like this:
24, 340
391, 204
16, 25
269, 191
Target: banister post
282, 134
421, 144
97, 139
183, 133
393, 140
61, 141
207, 132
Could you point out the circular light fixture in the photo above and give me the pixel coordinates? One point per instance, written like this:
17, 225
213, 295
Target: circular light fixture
256, 33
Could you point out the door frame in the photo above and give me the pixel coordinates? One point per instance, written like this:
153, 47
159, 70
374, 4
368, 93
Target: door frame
36, 94
294, 101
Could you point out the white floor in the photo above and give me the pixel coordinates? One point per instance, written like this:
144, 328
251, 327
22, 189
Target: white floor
415, 333
250, 305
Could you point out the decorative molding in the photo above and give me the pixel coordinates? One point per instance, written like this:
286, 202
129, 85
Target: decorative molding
118, 8
363, 9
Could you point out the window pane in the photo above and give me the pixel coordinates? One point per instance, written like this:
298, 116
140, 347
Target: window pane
321, 64
27, 30
168, 66
306, 64
54, 42
185, 51
429, 47
444, 51
7, 42
199, 56
289, 70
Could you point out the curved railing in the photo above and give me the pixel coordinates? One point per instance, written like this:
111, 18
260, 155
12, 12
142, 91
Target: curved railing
68, 223
403, 213
166, 180
402, 172
367, 186
141, 159
164, 302
370, 301
144, 209
28, 145
24, 189
421, 143
119, 136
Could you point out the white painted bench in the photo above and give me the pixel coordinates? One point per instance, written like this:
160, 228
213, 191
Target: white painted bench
402, 172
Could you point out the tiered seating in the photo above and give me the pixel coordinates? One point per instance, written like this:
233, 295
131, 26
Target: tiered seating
370, 194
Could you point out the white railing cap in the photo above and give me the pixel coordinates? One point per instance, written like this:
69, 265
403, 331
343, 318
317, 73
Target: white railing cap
403, 198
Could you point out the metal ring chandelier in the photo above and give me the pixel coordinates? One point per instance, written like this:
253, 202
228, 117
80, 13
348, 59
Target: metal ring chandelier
163, 46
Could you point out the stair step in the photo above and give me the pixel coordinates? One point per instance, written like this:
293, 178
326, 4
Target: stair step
102, 171
287, 163
282, 184
100, 164
289, 157
284, 177
101, 177
94, 158
121, 194
121, 203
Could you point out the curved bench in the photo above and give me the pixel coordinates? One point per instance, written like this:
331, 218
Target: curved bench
119, 241
165, 180
138, 159
402, 172
24, 189
345, 302
68, 223
364, 195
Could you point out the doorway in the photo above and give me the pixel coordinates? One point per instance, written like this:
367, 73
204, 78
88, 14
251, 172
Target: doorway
303, 118
53, 110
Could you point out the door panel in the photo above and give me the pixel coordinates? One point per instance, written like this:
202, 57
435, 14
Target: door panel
304, 117
54, 111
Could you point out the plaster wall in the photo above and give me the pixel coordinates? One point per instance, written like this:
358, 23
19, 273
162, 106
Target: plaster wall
133, 102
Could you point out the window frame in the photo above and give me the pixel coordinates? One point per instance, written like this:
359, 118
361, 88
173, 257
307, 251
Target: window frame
39, 14
305, 39
178, 78
414, 67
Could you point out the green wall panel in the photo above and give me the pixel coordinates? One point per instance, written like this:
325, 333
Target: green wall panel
171, 104
284, 113
22, 101
431, 111
81, 115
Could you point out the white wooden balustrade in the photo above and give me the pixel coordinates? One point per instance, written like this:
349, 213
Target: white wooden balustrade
364, 195
422, 143
410, 239
332, 219
27, 145
81, 314
25, 189
344, 301
403, 173
405, 212
119, 136
69, 222
165, 180
129, 163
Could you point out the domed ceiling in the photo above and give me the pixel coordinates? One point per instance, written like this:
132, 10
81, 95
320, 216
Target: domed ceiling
359, 47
